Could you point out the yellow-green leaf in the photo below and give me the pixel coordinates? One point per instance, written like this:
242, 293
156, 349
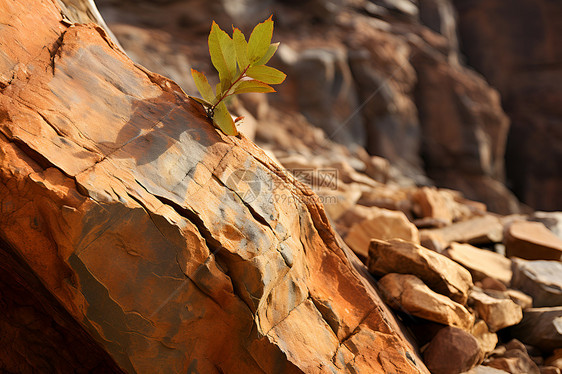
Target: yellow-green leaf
223, 120
223, 55
205, 103
241, 47
260, 40
203, 85
270, 52
252, 86
266, 74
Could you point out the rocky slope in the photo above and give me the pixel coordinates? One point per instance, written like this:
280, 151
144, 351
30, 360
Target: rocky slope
137, 238
136, 232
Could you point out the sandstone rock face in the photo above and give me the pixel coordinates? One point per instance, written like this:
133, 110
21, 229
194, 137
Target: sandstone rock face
407, 293
498, 313
437, 271
139, 218
515, 46
541, 328
451, 351
376, 223
540, 279
532, 241
478, 230
481, 263
487, 339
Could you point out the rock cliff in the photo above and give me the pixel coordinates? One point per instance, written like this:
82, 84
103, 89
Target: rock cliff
149, 242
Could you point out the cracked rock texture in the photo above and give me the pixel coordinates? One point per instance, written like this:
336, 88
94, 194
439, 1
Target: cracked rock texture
163, 245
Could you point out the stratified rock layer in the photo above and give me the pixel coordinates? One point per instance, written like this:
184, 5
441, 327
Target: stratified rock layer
167, 242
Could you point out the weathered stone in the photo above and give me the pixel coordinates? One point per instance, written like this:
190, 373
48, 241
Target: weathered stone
540, 327
407, 293
514, 359
437, 271
480, 262
487, 340
432, 204
376, 223
542, 280
498, 313
480, 230
485, 370
552, 221
451, 351
522, 299
493, 284
532, 241
162, 238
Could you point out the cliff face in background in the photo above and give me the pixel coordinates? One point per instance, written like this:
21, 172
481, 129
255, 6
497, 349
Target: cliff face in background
516, 45
382, 75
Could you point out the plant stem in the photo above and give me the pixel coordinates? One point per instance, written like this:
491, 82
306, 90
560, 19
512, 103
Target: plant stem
226, 94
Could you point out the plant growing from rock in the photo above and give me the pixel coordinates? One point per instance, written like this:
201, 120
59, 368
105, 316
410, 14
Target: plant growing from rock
241, 67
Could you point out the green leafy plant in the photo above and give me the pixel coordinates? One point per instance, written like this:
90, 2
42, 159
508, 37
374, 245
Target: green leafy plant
241, 67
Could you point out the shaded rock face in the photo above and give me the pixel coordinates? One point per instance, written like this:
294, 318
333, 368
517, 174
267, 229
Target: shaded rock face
451, 351
137, 216
516, 46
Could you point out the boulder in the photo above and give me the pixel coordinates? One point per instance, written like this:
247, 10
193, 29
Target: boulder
479, 230
542, 280
155, 236
520, 298
532, 241
408, 294
498, 313
541, 328
487, 339
514, 359
441, 274
452, 351
376, 223
481, 263
552, 221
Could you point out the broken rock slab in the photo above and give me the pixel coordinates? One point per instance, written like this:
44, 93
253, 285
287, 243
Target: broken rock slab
498, 313
542, 280
481, 263
479, 230
367, 223
440, 273
407, 293
532, 241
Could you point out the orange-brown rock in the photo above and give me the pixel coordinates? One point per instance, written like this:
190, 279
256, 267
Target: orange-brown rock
370, 223
481, 263
407, 293
479, 230
440, 273
498, 313
156, 235
532, 241
452, 351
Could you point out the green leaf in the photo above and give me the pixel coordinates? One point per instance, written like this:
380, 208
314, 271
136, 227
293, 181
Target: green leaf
270, 52
203, 85
223, 55
205, 103
241, 47
252, 86
260, 40
223, 120
266, 74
